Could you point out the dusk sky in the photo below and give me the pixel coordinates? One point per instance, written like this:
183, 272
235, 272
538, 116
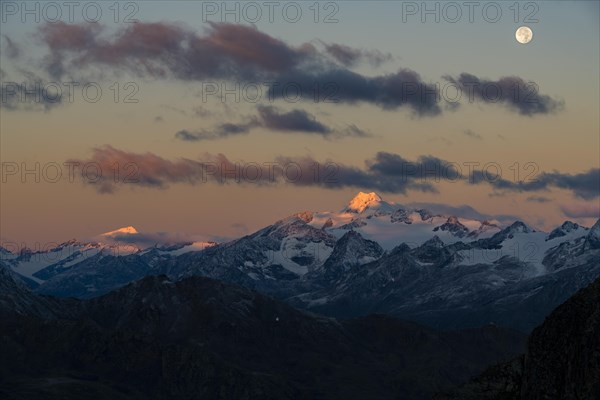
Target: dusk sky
377, 106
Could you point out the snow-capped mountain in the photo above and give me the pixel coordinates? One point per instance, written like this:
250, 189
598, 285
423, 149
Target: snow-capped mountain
391, 224
371, 256
127, 230
40, 265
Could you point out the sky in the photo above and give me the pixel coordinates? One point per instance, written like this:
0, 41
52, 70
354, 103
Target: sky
212, 119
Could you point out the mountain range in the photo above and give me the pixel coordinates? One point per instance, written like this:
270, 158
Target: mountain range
442, 271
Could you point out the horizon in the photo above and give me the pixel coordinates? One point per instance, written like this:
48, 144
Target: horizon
129, 235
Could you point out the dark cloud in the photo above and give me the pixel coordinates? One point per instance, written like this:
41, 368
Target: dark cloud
220, 132
585, 185
513, 91
404, 88
186, 135
386, 172
295, 120
273, 119
539, 199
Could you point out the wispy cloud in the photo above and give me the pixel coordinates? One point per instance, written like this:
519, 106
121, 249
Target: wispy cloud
471, 134
273, 119
350, 56
31, 93
13, 50
581, 210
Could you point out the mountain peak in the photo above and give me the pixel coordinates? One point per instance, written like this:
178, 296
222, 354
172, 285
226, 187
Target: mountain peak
362, 201
518, 227
127, 230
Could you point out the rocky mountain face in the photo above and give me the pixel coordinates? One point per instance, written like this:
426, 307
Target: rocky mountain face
562, 361
201, 338
464, 284
15, 297
351, 250
592, 240
563, 355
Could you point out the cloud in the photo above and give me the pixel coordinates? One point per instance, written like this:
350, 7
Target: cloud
295, 120
144, 169
161, 49
151, 170
236, 53
273, 119
146, 239
402, 89
220, 132
159, 239
242, 54
513, 91
472, 134
385, 172
585, 185
539, 199
13, 50
581, 210
350, 56
352, 130
29, 94
464, 211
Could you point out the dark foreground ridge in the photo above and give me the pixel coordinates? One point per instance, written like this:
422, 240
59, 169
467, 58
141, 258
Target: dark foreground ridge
562, 360
203, 339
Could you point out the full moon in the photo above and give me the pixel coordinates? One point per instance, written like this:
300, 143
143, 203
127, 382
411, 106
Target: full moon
524, 35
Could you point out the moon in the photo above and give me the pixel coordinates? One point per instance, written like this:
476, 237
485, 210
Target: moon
524, 35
